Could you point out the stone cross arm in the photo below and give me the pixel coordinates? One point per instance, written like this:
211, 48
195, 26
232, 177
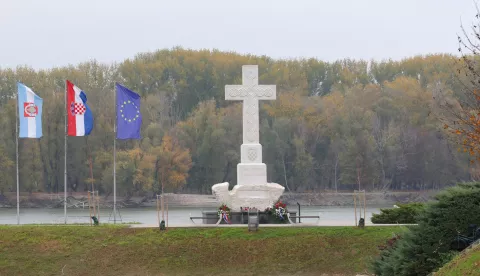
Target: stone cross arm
250, 93
250, 88
258, 92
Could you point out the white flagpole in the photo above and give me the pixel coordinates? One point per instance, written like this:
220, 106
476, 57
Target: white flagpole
115, 159
65, 159
16, 137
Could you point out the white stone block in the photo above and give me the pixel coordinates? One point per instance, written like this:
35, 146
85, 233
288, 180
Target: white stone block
251, 174
251, 153
257, 196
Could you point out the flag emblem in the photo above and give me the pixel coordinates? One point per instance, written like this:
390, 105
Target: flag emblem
77, 109
30, 104
30, 110
129, 111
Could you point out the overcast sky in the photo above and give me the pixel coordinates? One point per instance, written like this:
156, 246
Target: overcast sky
48, 33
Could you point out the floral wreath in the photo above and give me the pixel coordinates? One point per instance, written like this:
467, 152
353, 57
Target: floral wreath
224, 212
279, 210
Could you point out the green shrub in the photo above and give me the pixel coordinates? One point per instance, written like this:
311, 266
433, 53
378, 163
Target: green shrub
426, 247
406, 213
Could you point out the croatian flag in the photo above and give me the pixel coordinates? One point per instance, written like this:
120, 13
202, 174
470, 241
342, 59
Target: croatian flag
80, 117
29, 112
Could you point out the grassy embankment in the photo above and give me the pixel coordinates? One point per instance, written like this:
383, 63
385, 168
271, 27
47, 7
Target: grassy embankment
109, 250
463, 264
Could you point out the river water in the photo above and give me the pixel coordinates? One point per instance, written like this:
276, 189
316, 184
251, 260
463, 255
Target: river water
177, 216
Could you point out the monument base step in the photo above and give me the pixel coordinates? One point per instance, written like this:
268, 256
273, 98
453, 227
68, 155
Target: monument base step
211, 217
259, 196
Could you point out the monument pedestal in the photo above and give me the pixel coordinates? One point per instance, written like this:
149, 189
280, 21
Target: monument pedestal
259, 196
251, 174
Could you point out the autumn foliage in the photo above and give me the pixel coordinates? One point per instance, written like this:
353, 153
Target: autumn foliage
335, 125
466, 126
462, 112
172, 163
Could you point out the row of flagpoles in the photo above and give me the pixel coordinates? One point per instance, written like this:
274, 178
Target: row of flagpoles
79, 121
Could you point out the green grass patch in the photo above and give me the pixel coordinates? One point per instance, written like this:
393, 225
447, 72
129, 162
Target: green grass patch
463, 264
118, 250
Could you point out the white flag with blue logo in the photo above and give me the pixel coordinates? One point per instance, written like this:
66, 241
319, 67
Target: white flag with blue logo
29, 112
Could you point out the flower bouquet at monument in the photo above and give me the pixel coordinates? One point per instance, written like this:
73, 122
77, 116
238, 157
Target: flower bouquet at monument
278, 211
224, 213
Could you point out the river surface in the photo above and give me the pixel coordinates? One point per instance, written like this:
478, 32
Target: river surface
177, 216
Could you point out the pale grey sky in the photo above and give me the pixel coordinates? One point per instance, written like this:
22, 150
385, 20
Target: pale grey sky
47, 33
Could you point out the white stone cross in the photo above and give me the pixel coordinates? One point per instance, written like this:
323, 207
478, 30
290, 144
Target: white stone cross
250, 92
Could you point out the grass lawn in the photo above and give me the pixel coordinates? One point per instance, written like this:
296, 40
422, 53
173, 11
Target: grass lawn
463, 264
118, 250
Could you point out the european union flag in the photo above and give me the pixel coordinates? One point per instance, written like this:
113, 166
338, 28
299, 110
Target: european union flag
129, 118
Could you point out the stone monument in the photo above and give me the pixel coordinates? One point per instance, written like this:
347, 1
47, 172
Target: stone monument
252, 189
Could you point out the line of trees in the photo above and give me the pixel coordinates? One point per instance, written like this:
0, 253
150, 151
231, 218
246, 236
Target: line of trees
341, 125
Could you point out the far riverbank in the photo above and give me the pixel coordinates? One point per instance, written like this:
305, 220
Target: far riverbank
80, 200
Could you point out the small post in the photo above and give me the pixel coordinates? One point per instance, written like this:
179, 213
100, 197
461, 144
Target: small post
355, 204
89, 208
241, 212
161, 223
166, 202
299, 213
158, 211
98, 206
364, 205
94, 202
162, 206
253, 221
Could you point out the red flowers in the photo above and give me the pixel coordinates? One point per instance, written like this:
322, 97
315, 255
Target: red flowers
224, 208
280, 204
